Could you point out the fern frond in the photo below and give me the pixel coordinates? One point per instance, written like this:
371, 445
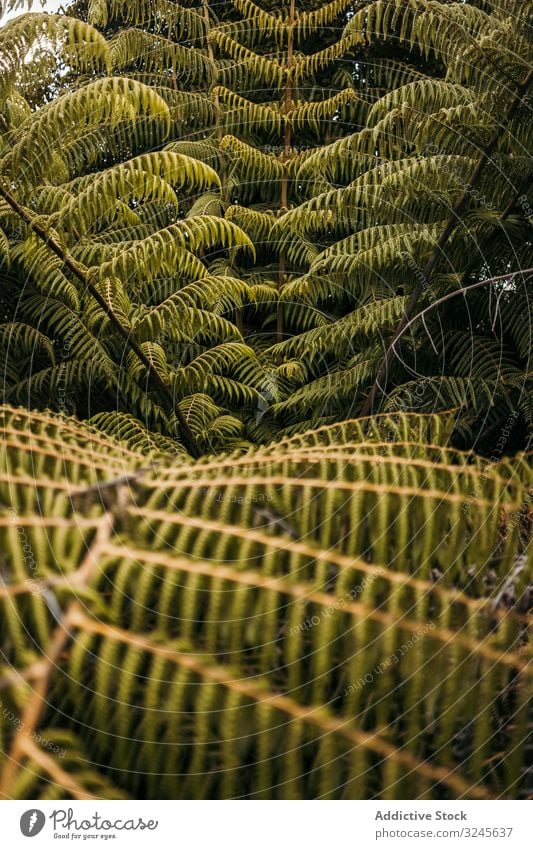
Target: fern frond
441, 393
168, 249
309, 23
270, 25
175, 320
159, 54
250, 65
210, 579
242, 115
77, 375
77, 44
150, 176
311, 115
158, 15
332, 393
340, 336
254, 165
107, 100
129, 431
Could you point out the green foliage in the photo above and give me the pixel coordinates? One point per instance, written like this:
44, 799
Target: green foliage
248, 206
253, 593
238, 175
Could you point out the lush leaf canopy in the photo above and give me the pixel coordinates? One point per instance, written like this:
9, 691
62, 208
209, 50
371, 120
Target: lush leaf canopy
292, 239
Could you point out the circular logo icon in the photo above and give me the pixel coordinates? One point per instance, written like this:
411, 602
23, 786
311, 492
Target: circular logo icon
32, 822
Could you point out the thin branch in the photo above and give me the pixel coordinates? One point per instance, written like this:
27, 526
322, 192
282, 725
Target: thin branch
462, 291
81, 274
380, 381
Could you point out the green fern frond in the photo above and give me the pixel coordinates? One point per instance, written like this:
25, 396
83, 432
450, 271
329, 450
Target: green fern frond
107, 100
260, 69
211, 578
241, 115
312, 115
441, 393
156, 14
309, 23
211, 424
279, 217
129, 431
78, 44
340, 336
254, 165
150, 176
159, 54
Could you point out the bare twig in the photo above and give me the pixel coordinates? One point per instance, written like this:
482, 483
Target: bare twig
464, 290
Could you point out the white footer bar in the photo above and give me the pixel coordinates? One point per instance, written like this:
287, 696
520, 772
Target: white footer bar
268, 825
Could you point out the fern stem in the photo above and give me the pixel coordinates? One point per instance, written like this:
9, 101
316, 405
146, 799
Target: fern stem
380, 381
287, 141
58, 776
80, 273
59, 639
